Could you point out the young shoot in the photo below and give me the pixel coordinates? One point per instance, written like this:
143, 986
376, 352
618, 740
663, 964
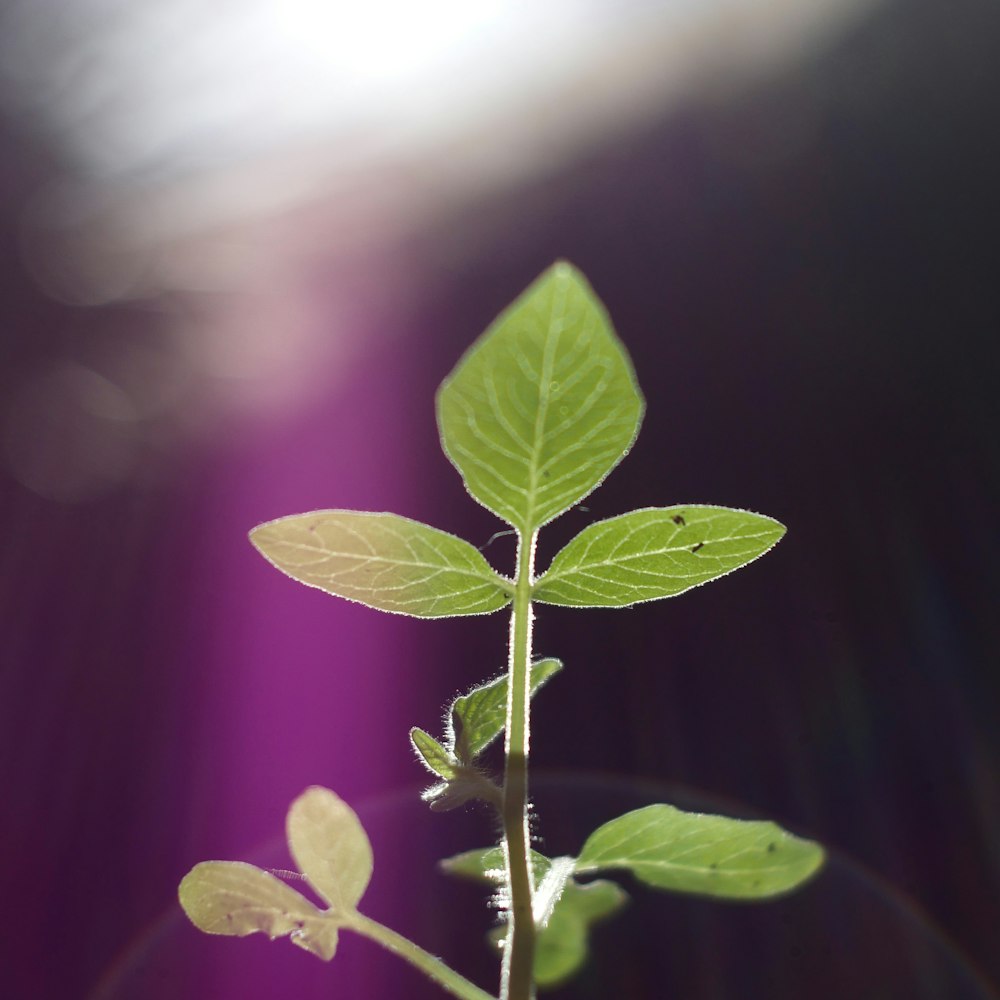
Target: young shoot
534, 416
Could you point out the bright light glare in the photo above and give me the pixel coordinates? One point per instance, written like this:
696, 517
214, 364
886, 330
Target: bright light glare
154, 90
384, 42
220, 149
181, 118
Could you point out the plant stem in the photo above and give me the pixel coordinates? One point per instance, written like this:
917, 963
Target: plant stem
433, 967
517, 977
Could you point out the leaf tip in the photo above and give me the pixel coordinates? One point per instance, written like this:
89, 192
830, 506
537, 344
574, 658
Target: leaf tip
253, 536
563, 269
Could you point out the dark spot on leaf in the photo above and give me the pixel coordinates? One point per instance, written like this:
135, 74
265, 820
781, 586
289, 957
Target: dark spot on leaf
694, 548
713, 866
771, 848
546, 473
678, 519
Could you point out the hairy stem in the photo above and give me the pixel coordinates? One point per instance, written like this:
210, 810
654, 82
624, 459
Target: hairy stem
517, 978
442, 974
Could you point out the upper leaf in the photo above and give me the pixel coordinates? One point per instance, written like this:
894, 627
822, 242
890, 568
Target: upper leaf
707, 855
543, 406
653, 553
330, 846
231, 897
384, 561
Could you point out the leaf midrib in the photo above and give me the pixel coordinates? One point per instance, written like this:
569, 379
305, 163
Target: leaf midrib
491, 575
555, 325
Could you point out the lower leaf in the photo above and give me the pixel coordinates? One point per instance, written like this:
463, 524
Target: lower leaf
562, 921
706, 855
237, 899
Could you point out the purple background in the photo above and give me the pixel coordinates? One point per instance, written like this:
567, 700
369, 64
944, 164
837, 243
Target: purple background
806, 278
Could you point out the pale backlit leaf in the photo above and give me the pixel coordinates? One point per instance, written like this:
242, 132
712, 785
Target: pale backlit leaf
468, 785
230, 897
653, 553
330, 847
707, 855
384, 561
543, 406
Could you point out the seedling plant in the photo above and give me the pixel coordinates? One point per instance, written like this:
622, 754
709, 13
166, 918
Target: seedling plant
534, 416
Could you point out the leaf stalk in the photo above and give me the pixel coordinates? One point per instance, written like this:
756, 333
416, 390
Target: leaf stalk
443, 975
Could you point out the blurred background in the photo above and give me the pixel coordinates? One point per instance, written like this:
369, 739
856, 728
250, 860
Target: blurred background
241, 246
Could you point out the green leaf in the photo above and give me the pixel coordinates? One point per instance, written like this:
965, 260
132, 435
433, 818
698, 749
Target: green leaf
654, 553
706, 855
385, 561
230, 897
435, 757
543, 406
474, 721
561, 945
330, 847
477, 718
461, 782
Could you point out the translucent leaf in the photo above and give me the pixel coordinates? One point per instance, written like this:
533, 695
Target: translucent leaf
330, 847
477, 718
653, 553
230, 897
543, 406
707, 855
564, 909
486, 864
549, 890
474, 721
467, 785
561, 945
384, 561
436, 758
